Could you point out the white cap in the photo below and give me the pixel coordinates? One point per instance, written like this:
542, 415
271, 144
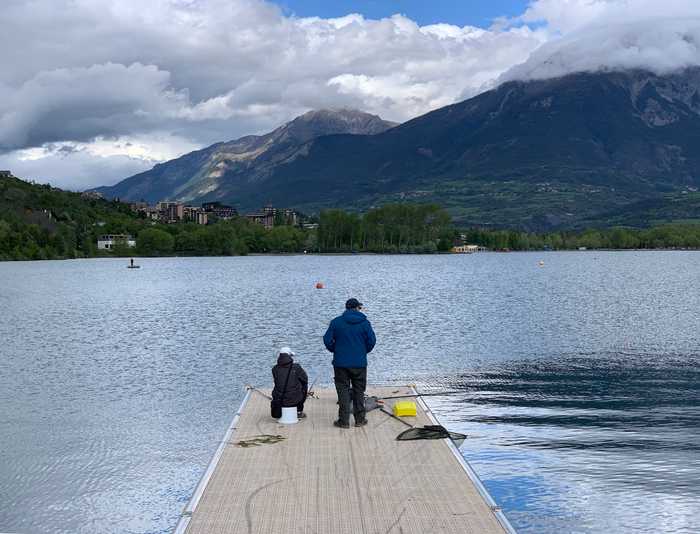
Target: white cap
285, 350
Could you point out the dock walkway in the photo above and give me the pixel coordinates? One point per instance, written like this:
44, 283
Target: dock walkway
313, 478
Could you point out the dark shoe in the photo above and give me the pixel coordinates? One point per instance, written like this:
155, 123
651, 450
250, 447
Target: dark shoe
361, 422
341, 425
301, 415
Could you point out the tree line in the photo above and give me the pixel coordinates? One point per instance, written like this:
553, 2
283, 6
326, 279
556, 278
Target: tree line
669, 236
41, 222
224, 238
393, 228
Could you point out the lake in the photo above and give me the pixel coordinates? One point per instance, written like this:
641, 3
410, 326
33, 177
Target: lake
577, 382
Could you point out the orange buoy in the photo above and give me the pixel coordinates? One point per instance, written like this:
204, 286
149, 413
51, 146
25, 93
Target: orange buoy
319, 285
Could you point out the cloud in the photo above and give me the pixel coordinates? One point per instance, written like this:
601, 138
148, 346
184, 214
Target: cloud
200, 71
211, 70
604, 35
79, 104
102, 161
212, 61
76, 171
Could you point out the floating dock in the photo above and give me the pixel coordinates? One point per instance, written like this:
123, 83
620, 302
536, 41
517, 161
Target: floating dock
314, 478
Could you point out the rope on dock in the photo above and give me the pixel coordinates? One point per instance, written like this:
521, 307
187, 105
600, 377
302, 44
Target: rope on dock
262, 439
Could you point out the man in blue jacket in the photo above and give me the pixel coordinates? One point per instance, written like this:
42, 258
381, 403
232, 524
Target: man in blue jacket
350, 337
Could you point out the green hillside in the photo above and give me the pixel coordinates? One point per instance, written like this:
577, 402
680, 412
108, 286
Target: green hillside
42, 222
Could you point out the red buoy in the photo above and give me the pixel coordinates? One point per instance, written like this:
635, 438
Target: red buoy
319, 285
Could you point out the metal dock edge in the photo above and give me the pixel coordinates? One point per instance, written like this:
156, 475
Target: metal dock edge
197, 495
473, 476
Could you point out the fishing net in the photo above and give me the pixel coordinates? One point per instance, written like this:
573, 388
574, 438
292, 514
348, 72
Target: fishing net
430, 432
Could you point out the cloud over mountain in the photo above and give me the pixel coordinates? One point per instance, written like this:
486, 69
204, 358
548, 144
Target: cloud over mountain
200, 71
606, 35
218, 68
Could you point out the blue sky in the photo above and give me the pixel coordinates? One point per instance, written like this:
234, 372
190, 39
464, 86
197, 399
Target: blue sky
459, 12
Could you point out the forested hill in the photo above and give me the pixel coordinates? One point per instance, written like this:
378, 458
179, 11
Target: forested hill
42, 222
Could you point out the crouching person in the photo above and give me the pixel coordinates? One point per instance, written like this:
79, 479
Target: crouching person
291, 383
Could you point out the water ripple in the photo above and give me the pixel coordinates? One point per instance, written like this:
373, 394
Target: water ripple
577, 383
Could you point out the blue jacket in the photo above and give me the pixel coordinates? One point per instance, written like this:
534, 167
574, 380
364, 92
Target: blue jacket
350, 337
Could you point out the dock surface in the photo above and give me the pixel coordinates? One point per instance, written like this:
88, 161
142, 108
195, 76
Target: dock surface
314, 478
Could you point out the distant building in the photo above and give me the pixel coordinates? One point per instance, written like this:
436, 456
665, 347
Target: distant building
171, 212
108, 241
151, 212
269, 215
267, 219
195, 215
220, 211
291, 217
5, 174
467, 249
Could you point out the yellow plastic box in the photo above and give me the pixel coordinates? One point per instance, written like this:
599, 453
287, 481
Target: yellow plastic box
405, 409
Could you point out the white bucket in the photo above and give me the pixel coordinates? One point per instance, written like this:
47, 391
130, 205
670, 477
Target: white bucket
289, 416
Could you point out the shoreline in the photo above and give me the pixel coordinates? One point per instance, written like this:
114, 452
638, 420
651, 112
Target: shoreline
331, 254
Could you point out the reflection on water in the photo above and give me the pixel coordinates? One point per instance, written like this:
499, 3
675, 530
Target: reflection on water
586, 442
578, 381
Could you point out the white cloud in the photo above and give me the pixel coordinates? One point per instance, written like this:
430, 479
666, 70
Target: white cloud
73, 170
209, 70
102, 161
214, 70
565, 15
597, 35
82, 103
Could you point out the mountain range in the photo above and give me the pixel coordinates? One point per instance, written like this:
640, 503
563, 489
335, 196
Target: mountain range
208, 174
585, 149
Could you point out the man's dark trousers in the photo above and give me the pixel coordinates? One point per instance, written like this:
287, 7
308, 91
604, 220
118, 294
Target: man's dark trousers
345, 378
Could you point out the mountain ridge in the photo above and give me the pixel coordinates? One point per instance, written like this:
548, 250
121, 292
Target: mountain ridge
196, 174
540, 154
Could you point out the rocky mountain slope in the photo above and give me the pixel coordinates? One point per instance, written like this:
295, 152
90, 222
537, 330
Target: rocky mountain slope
204, 174
541, 154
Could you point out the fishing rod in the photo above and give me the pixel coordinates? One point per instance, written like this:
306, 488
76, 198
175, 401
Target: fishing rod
253, 388
310, 391
375, 403
381, 409
422, 395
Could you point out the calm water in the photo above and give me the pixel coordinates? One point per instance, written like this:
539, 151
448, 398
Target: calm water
578, 383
